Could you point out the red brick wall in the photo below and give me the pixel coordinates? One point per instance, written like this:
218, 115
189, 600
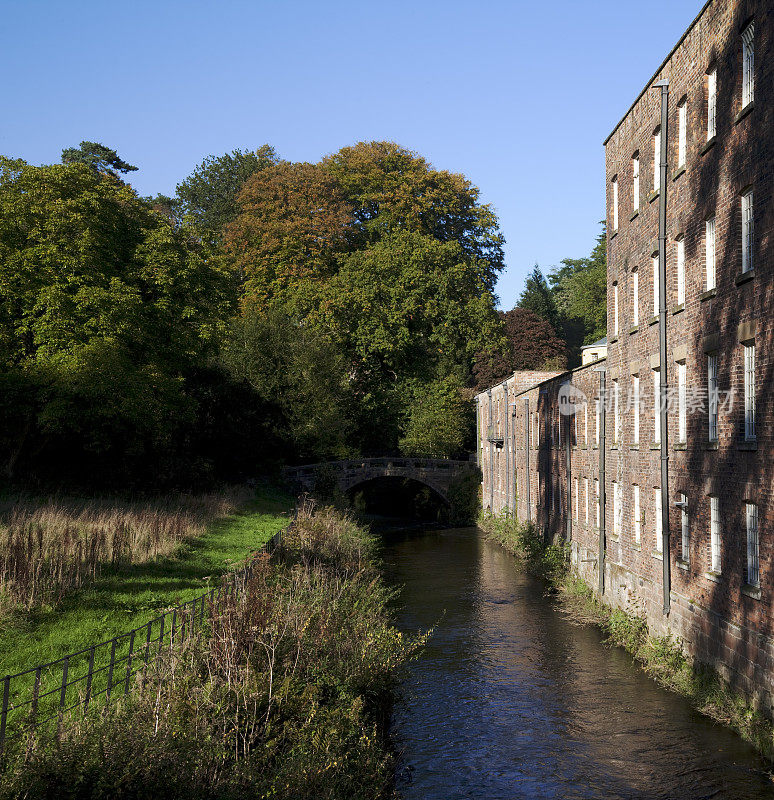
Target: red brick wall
720, 620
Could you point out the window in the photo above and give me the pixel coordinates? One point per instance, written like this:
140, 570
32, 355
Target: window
636, 181
656, 293
747, 231
656, 406
615, 309
712, 103
715, 534
636, 409
748, 65
681, 403
615, 203
616, 415
657, 160
586, 488
577, 501
712, 395
682, 133
586, 424
596, 430
709, 251
596, 489
749, 391
637, 515
680, 253
753, 564
635, 298
657, 518
685, 538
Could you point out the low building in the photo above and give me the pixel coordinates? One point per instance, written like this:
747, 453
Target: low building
594, 351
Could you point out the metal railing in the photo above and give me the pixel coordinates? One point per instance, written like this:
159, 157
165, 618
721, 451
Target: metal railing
41, 697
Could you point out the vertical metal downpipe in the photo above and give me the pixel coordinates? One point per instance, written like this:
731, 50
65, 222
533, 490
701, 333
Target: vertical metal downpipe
505, 447
602, 449
662, 344
568, 470
491, 453
526, 460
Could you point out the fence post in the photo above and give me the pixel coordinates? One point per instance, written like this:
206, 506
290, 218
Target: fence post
129, 662
62, 694
35, 697
161, 634
172, 629
89, 679
110, 671
4, 711
147, 651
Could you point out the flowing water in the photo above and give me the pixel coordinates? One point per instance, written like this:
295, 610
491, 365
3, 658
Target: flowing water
511, 700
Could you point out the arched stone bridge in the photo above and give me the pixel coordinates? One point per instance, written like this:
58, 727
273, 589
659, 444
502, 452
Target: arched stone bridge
437, 473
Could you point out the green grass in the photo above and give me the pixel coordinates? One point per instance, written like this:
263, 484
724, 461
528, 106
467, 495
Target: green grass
121, 600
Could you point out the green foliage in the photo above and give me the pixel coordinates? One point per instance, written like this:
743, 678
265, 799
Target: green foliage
288, 697
291, 365
538, 297
439, 421
97, 157
463, 497
210, 193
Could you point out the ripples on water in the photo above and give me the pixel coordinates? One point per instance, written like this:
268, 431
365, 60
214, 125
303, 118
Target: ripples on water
510, 700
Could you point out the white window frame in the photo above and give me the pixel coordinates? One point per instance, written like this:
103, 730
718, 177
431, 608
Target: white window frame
680, 268
748, 231
748, 65
615, 309
637, 515
656, 405
656, 293
682, 132
712, 396
596, 489
636, 409
682, 414
616, 414
586, 424
635, 298
636, 182
596, 427
715, 535
615, 203
753, 545
617, 509
709, 253
657, 160
749, 391
577, 501
685, 533
712, 103
586, 487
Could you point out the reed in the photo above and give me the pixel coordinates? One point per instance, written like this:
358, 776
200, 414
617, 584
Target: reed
50, 546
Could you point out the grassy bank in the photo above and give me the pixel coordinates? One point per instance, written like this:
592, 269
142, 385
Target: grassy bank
286, 696
125, 594
662, 657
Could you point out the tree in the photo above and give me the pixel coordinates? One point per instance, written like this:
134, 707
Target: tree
210, 193
538, 297
531, 343
292, 366
438, 422
97, 157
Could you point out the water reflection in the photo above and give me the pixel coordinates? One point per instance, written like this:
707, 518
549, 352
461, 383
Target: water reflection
512, 701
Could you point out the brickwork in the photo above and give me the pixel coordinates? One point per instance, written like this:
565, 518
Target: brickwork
724, 618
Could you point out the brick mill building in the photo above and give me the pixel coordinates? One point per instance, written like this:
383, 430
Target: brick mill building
593, 476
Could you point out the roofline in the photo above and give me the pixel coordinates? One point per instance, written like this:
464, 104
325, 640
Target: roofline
655, 74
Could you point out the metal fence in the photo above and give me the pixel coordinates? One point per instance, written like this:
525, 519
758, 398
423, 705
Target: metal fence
41, 697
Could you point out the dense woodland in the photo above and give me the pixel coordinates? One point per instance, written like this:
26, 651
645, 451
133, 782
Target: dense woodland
270, 311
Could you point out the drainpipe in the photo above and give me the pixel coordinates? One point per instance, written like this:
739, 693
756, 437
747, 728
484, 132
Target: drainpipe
491, 453
568, 470
526, 460
662, 343
514, 473
505, 446
602, 447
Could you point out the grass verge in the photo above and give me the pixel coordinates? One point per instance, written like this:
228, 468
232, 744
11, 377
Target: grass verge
662, 657
286, 696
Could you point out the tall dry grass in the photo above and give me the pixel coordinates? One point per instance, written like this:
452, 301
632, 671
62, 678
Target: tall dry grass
50, 546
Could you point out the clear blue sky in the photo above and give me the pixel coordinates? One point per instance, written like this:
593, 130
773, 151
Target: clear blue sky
516, 95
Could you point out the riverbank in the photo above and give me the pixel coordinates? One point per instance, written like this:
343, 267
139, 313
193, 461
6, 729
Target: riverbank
288, 695
661, 657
